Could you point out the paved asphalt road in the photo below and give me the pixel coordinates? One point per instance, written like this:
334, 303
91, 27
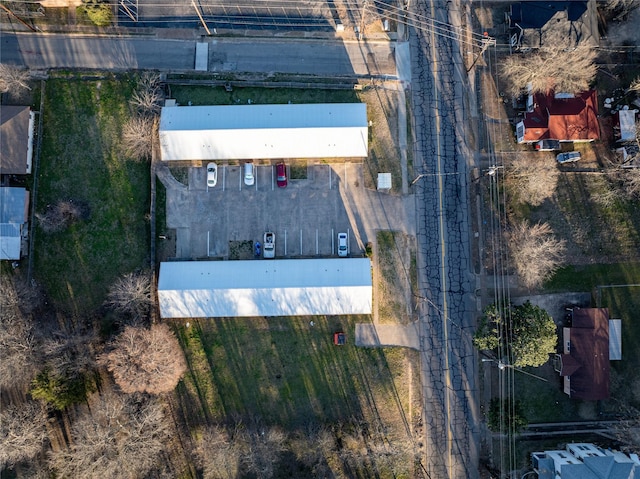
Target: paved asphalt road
447, 309
38, 51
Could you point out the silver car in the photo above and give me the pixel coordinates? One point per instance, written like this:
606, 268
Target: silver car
343, 246
212, 175
568, 157
248, 174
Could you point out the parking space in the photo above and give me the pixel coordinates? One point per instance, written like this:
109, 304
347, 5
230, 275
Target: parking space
306, 216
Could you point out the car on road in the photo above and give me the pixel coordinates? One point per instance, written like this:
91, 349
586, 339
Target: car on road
547, 145
212, 175
281, 175
343, 247
248, 174
568, 157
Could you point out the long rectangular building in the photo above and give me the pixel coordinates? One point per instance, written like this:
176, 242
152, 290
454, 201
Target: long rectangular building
244, 132
284, 287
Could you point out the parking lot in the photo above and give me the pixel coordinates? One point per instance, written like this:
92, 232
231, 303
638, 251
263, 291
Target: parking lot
306, 216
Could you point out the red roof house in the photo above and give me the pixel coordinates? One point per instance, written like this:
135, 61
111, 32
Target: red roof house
559, 117
584, 364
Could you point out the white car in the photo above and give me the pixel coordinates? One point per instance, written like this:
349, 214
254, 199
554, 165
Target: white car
212, 175
248, 174
343, 247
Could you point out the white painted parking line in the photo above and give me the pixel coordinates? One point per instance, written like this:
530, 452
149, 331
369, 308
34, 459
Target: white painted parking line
346, 181
329, 176
255, 173
240, 179
316, 241
224, 176
348, 240
333, 237
272, 182
208, 243
285, 242
301, 242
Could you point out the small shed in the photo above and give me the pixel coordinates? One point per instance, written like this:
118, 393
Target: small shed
384, 181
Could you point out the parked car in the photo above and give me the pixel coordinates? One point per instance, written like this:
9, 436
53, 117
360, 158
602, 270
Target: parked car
343, 247
281, 172
269, 245
568, 157
339, 338
212, 175
248, 174
547, 145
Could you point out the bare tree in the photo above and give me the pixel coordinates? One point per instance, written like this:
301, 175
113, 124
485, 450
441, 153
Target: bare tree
535, 181
23, 432
262, 449
137, 137
131, 294
546, 70
620, 9
219, 453
635, 86
61, 215
146, 360
13, 78
536, 253
147, 98
17, 342
120, 437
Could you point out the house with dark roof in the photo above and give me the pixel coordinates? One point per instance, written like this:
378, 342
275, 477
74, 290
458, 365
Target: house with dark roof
14, 204
585, 461
587, 349
562, 117
16, 139
567, 24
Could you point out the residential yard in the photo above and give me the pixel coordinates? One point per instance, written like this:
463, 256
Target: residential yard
288, 372
82, 161
384, 155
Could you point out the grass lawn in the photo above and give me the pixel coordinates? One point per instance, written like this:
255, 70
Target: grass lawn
624, 304
82, 161
289, 372
397, 277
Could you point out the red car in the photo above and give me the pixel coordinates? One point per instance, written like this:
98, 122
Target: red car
281, 172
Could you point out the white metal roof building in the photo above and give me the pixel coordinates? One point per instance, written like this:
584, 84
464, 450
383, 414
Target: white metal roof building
284, 287
241, 132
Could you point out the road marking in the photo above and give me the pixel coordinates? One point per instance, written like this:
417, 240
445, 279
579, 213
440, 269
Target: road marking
240, 179
333, 235
285, 242
300, 242
224, 176
273, 187
208, 243
316, 241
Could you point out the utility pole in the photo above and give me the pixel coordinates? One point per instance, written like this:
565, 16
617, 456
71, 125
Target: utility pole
193, 2
487, 42
364, 9
19, 19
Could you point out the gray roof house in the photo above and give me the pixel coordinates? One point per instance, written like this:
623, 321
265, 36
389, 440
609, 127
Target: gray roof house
14, 205
585, 461
553, 23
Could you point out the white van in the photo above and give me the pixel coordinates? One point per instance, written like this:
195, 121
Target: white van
248, 174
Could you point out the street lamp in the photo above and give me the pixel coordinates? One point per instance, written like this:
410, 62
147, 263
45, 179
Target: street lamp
502, 366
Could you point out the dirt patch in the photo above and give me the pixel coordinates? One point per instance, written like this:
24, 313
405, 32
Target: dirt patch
240, 250
397, 278
298, 170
